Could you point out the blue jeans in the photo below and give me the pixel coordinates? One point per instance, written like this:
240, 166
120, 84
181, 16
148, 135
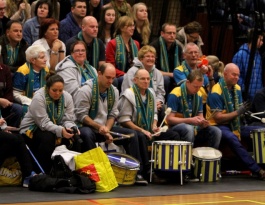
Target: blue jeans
233, 142
211, 134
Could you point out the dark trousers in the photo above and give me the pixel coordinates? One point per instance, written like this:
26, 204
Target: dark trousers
16, 111
43, 144
14, 145
233, 142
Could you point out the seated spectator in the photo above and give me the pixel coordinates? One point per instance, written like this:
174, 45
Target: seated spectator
31, 27
146, 60
186, 116
121, 51
3, 18
122, 8
217, 66
106, 27
94, 8
55, 6
13, 47
49, 121
10, 111
190, 33
31, 76
168, 54
225, 100
55, 49
71, 25
14, 145
96, 110
95, 47
18, 10
75, 69
142, 29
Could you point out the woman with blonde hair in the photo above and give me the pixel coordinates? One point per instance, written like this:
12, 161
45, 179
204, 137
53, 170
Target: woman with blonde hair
18, 10
142, 27
217, 67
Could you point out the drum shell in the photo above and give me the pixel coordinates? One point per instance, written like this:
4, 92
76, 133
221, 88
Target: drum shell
124, 175
207, 164
207, 170
258, 141
172, 155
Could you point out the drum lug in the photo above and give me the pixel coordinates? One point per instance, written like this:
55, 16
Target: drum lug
219, 175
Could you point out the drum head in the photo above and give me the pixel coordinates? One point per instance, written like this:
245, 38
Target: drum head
123, 160
207, 153
172, 142
258, 130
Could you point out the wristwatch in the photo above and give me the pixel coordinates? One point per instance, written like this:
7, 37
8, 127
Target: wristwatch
54, 52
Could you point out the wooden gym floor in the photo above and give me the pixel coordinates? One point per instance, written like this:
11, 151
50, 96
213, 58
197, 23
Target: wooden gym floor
232, 198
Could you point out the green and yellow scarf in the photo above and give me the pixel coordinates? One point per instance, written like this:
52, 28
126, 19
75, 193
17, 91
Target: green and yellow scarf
95, 44
95, 98
120, 55
145, 113
55, 112
164, 57
90, 72
12, 54
235, 123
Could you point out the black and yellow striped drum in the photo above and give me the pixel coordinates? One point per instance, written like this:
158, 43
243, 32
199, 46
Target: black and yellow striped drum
258, 140
171, 155
207, 164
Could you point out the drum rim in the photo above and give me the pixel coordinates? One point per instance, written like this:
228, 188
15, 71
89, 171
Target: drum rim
126, 156
257, 130
172, 142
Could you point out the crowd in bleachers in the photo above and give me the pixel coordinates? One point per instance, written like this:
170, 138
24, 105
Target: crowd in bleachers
96, 70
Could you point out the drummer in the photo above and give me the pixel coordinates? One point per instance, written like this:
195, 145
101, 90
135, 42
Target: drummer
226, 98
96, 109
186, 116
138, 111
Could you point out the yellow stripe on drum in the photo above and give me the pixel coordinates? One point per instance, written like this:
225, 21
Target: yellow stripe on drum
159, 156
211, 172
258, 145
175, 158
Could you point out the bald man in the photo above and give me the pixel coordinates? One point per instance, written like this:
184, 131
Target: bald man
226, 100
3, 18
95, 47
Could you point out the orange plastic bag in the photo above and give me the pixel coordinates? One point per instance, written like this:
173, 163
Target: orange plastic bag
96, 164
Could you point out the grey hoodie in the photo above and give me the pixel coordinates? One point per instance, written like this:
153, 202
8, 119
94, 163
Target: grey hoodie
157, 80
71, 75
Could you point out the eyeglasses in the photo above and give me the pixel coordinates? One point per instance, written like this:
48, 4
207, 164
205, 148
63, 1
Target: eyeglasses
170, 33
193, 37
143, 79
131, 25
79, 51
2, 9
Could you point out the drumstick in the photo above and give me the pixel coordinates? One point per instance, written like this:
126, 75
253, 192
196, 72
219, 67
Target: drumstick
121, 136
163, 129
213, 113
167, 112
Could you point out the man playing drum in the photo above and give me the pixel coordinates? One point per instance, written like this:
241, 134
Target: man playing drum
138, 111
96, 109
226, 100
186, 116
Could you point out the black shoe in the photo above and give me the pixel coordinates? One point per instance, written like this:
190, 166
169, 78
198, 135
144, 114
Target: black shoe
158, 180
140, 180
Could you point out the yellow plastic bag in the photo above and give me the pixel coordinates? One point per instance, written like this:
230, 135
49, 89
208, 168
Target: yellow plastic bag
96, 164
10, 173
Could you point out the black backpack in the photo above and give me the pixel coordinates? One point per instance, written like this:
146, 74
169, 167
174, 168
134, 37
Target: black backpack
60, 168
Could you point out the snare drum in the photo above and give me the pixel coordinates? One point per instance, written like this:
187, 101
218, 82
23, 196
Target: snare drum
124, 167
207, 164
171, 155
258, 141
